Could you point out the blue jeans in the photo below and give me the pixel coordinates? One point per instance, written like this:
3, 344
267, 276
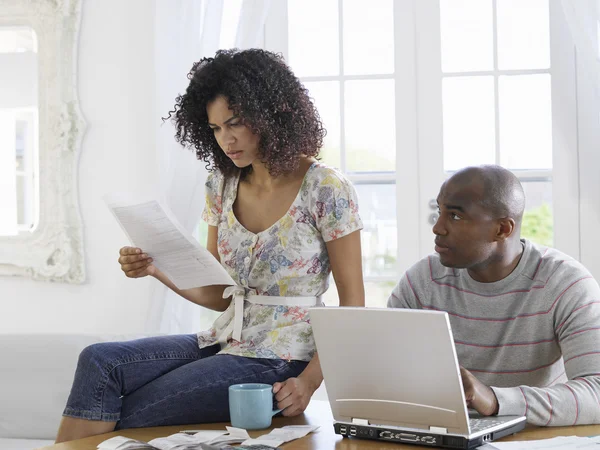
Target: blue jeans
166, 380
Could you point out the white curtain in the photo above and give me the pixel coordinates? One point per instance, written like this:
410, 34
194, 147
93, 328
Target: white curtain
583, 19
187, 30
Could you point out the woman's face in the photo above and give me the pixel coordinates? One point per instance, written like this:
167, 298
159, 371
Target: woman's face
233, 136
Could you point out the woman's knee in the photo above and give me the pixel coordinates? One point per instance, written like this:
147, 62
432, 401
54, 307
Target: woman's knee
97, 356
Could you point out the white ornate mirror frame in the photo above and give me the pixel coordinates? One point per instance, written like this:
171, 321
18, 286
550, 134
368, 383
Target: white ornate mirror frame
53, 251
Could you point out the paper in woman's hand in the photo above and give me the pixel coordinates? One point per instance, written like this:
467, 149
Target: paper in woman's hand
151, 226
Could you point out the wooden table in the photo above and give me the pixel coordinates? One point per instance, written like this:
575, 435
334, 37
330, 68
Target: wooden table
318, 413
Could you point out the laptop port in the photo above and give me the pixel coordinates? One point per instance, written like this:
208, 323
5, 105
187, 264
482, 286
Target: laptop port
428, 440
352, 431
343, 429
408, 437
487, 437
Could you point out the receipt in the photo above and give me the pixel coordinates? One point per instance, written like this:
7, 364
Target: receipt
182, 441
279, 436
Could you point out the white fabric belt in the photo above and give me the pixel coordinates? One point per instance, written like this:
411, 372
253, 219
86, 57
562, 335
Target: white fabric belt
239, 296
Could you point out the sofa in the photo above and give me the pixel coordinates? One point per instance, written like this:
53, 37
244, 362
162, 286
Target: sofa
36, 372
36, 375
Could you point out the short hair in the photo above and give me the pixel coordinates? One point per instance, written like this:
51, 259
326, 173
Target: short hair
264, 92
503, 194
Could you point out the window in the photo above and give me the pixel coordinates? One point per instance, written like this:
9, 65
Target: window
343, 52
362, 62
496, 96
410, 91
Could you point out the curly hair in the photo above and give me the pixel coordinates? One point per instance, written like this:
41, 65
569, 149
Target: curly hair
264, 92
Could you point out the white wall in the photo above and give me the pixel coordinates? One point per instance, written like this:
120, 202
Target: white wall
117, 94
588, 122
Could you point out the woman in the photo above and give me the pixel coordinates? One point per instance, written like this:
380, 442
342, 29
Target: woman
279, 222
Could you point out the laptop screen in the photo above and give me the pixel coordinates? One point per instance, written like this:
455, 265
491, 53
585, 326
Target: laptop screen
394, 367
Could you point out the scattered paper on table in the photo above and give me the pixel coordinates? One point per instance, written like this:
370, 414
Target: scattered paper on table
557, 443
196, 439
279, 436
123, 443
182, 441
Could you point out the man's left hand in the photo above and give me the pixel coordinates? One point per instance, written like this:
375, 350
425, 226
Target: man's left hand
478, 396
293, 396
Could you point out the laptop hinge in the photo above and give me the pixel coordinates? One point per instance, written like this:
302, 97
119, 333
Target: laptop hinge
358, 421
438, 430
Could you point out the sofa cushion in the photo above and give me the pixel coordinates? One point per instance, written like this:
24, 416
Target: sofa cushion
37, 371
24, 444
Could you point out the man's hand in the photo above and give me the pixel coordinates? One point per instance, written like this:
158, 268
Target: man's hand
478, 396
293, 395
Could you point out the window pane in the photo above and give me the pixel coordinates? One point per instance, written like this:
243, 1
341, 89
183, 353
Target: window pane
368, 37
467, 35
379, 237
523, 34
538, 224
370, 126
469, 122
525, 122
313, 37
326, 95
376, 293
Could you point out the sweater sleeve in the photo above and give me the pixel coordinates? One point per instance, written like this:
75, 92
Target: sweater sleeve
577, 329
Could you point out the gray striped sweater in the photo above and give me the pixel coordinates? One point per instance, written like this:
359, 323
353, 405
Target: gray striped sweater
534, 336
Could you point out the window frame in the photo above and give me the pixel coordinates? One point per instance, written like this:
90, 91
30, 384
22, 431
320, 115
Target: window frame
276, 39
418, 82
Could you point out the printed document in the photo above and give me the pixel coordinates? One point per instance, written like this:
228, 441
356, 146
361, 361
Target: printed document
151, 226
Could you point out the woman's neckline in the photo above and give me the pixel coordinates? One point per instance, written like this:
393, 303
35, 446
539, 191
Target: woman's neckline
287, 213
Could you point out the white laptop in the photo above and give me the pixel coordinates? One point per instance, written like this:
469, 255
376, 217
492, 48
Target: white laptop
393, 375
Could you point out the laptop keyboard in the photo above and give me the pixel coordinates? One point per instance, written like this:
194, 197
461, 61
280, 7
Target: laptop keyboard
481, 423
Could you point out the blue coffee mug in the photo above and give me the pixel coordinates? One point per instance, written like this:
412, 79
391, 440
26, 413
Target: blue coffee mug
251, 405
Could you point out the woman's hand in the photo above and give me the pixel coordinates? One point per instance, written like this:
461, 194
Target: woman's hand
293, 395
135, 263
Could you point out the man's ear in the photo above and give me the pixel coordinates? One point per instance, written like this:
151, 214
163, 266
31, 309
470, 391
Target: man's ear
506, 227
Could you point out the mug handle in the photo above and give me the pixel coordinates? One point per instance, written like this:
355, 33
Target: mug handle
275, 411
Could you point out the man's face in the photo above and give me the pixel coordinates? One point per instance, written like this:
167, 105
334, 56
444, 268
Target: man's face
465, 231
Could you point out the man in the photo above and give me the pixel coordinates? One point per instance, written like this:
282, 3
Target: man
525, 318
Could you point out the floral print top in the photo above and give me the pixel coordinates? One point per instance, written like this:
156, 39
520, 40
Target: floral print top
288, 259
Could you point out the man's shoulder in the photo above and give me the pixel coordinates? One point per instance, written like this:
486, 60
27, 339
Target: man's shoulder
431, 269
547, 263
